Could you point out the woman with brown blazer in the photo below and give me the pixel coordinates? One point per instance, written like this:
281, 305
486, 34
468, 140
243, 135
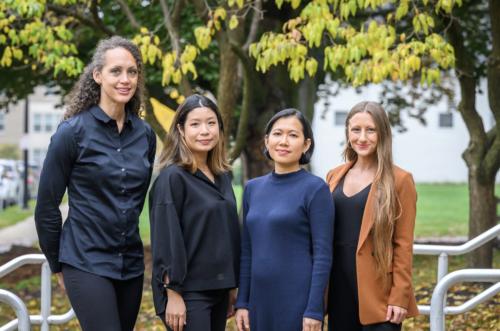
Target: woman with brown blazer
375, 207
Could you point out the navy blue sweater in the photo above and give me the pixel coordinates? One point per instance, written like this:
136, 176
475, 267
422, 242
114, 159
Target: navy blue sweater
286, 250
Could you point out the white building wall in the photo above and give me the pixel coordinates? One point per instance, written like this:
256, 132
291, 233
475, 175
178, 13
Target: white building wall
431, 153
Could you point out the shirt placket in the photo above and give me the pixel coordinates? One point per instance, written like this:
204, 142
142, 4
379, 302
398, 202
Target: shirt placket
122, 190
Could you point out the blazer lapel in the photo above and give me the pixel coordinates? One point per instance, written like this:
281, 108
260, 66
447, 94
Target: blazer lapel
368, 217
337, 176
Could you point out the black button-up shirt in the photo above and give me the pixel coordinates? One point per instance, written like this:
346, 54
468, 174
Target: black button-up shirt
107, 174
195, 234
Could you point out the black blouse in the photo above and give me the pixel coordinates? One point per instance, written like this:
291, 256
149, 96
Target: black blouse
195, 235
107, 174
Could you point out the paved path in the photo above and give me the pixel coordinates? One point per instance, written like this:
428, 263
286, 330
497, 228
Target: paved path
22, 233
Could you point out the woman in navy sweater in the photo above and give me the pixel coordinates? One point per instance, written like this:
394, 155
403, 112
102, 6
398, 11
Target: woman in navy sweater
287, 235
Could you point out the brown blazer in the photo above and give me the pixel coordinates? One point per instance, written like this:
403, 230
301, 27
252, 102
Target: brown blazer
374, 296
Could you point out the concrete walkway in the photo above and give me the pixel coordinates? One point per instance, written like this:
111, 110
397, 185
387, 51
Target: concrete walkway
23, 233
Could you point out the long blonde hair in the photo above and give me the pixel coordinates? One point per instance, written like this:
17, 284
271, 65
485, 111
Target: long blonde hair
386, 202
175, 150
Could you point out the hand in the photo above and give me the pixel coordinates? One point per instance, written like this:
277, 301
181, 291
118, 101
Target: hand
310, 324
175, 312
232, 301
242, 320
395, 314
60, 280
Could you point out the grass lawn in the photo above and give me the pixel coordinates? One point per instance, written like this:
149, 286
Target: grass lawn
443, 210
13, 214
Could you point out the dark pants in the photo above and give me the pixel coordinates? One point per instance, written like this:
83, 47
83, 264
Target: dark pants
102, 303
205, 310
356, 326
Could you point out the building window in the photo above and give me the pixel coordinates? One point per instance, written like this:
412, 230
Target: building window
49, 122
445, 120
37, 122
340, 117
2, 121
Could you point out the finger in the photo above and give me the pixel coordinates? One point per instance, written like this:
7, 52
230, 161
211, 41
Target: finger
246, 322
389, 313
182, 322
239, 323
175, 323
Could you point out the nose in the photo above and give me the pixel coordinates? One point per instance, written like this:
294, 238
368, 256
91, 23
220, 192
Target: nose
204, 129
362, 136
284, 140
124, 78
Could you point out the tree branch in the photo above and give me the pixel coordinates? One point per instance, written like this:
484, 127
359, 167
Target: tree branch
97, 19
84, 20
467, 107
242, 131
257, 16
176, 12
172, 32
126, 9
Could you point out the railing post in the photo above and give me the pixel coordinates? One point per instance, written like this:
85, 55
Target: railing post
46, 299
23, 317
442, 266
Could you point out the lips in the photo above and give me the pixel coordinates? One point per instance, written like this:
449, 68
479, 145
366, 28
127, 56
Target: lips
363, 146
282, 152
124, 91
205, 141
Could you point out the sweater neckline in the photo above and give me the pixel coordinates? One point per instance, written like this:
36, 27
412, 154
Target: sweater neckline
287, 175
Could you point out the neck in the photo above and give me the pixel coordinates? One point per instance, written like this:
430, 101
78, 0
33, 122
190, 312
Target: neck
114, 110
286, 168
201, 160
365, 163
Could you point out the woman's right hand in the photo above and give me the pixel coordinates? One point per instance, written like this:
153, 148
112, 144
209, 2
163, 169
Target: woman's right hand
175, 312
242, 320
60, 280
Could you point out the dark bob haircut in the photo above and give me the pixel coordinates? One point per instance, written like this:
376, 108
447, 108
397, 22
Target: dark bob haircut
306, 129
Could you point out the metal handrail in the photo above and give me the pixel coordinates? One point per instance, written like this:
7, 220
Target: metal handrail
444, 250
19, 307
438, 303
45, 318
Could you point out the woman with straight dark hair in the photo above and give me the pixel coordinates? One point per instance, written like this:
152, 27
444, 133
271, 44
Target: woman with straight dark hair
287, 235
103, 154
194, 223
375, 206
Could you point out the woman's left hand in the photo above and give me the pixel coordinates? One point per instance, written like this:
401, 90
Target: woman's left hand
310, 324
232, 301
396, 314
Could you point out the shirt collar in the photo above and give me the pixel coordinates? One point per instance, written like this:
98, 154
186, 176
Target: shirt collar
100, 115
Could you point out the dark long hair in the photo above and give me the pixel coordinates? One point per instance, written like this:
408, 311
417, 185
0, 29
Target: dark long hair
175, 150
87, 92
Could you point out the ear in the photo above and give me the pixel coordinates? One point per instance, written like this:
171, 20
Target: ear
181, 131
266, 141
307, 144
96, 74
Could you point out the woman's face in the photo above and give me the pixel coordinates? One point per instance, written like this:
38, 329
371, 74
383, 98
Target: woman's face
286, 142
362, 134
118, 77
201, 130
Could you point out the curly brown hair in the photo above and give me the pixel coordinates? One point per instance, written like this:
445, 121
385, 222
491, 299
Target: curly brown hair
87, 92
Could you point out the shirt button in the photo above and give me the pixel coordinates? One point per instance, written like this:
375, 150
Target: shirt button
123, 190
123, 169
120, 254
123, 233
124, 211
118, 150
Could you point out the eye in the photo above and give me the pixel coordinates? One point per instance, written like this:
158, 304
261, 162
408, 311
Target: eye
294, 135
115, 71
212, 123
371, 130
194, 124
133, 72
276, 133
355, 129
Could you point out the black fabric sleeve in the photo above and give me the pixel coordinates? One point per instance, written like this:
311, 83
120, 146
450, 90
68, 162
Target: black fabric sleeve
54, 178
167, 241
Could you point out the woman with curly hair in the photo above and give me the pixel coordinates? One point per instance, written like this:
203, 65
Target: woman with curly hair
103, 154
375, 206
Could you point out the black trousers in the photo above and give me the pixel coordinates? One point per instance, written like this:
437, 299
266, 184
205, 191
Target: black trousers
102, 303
205, 310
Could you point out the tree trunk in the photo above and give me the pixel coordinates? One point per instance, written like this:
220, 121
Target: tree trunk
482, 216
482, 154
